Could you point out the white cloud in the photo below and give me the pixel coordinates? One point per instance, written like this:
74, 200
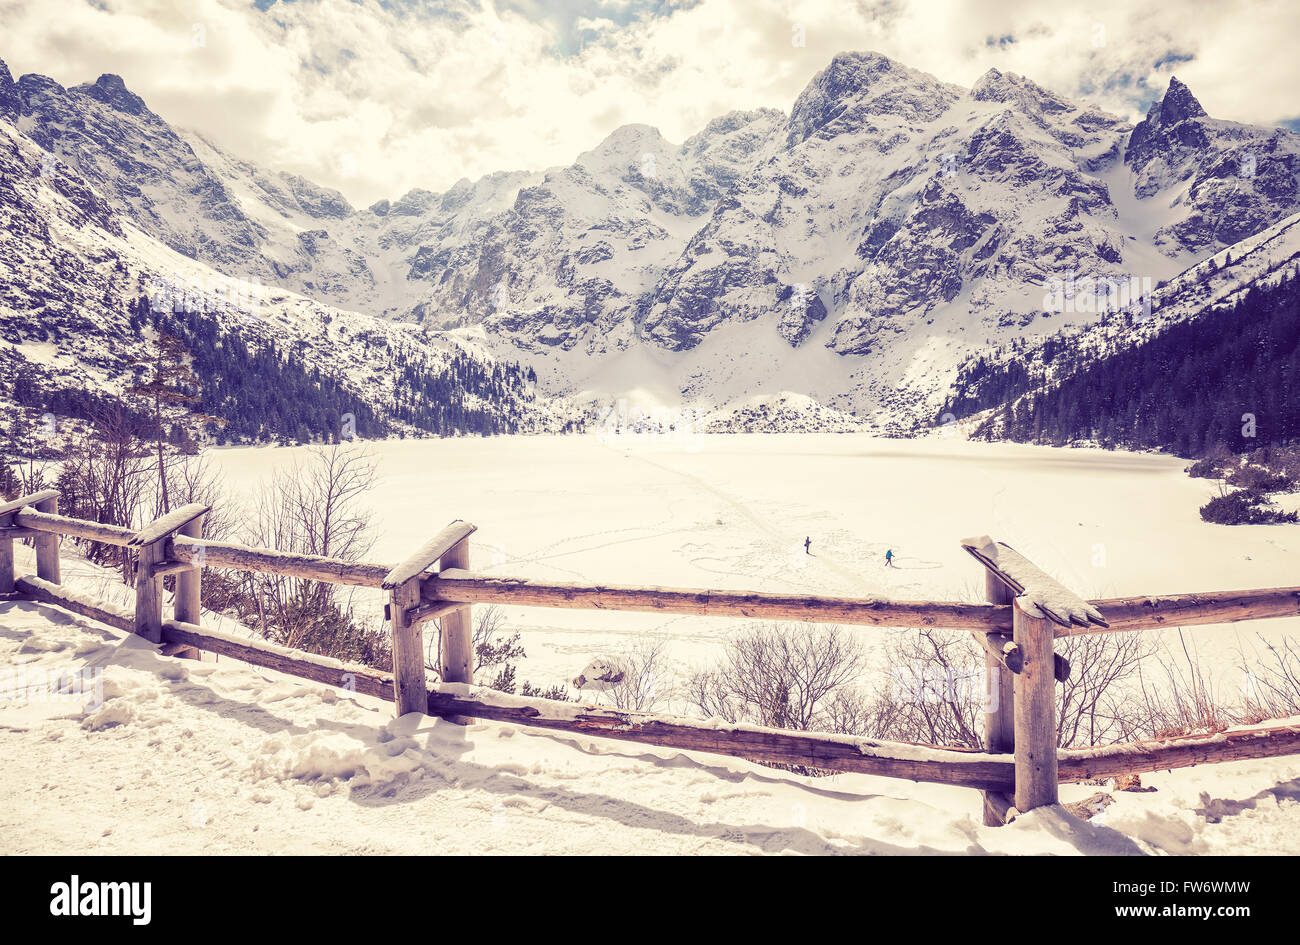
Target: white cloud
377, 98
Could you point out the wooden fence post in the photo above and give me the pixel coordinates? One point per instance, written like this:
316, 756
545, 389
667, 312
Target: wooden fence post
187, 605
1039, 605
47, 546
151, 544
999, 711
410, 688
6, 562
1035, 711
148, 592
407, 613
11, 531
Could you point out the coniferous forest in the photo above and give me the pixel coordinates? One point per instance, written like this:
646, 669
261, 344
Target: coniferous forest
1229, 378
256, 390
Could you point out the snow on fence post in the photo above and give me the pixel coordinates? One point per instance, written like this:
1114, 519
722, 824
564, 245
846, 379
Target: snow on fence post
405, 611
47, 545
999, 710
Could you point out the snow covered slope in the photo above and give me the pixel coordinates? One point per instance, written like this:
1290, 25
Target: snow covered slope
72, 267
1218, 281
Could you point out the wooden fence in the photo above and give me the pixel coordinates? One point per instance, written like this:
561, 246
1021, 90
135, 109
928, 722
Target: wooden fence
1024, 612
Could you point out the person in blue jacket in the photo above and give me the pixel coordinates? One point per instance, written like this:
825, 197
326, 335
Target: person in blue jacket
889, 558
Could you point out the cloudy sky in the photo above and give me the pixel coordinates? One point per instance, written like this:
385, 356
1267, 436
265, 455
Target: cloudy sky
377, 96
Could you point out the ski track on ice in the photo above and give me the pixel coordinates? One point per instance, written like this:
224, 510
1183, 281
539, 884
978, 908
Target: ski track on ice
777, 536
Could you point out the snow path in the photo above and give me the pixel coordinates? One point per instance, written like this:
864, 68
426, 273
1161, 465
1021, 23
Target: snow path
780, 540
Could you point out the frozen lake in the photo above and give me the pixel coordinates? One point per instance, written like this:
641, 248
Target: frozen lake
732, 511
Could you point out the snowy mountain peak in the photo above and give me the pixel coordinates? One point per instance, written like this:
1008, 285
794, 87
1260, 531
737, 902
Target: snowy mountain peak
891, 218
859, 85
1014, 89
1179, 104
112, 91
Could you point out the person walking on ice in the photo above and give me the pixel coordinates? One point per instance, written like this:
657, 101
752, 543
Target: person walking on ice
807, 545
889, 558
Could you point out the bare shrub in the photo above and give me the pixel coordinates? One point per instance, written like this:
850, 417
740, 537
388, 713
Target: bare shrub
1272, 688
1099, 703
496, 651
778, 675
856, 711
1179, 698
314, 508
646, 684
937, 692
105, 478
709, 691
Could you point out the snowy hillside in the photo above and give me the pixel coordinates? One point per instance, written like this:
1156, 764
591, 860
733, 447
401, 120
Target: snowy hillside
1215, 283
72, 272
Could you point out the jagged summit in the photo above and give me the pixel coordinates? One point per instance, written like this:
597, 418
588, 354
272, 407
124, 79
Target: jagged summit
857, 85
1172, 126
1013, 88
112, 91
9, 101
1179, 104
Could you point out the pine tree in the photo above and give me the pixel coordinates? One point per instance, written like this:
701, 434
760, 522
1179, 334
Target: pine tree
164, 393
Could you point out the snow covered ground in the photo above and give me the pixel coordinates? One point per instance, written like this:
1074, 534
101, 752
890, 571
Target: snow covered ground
156, 754
732, 511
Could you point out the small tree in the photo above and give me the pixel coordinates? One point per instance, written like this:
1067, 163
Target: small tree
315, 507
167, 393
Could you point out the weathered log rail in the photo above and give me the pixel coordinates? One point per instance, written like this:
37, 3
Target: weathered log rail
1025, 612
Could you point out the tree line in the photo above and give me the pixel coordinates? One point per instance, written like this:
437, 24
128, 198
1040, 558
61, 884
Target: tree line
1229, 378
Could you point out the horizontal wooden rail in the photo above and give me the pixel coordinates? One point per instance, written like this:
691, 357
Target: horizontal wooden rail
50, 523
457, 586
322, 669
470, 588
814, 749
986, 772
1190, 610
1180, 751
220, 554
